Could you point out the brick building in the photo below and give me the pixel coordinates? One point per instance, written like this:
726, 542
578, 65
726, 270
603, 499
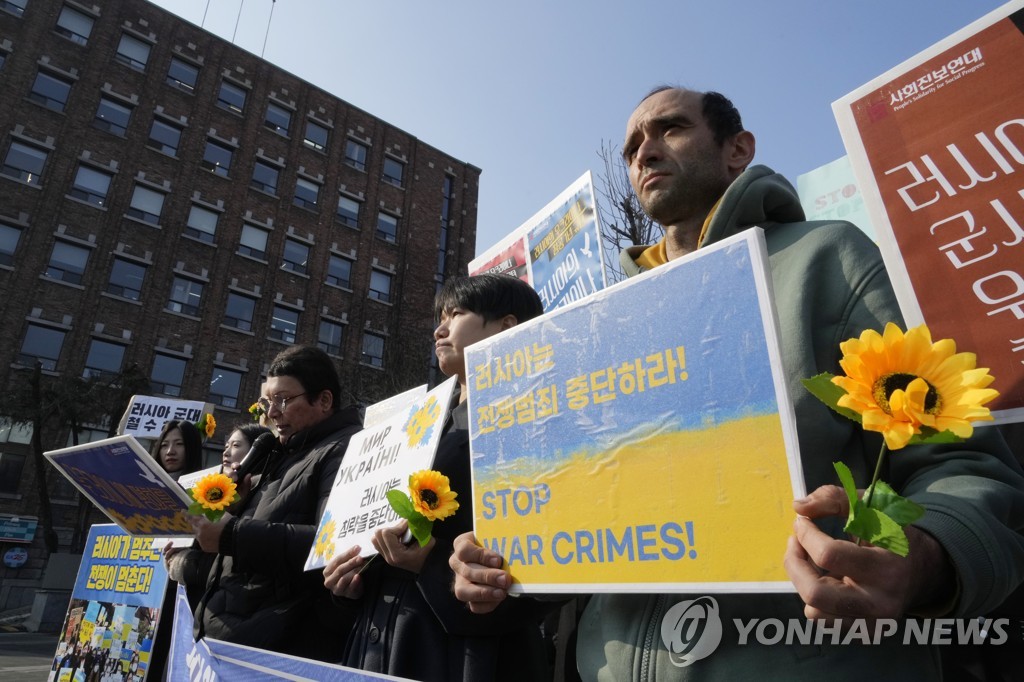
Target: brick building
173, 202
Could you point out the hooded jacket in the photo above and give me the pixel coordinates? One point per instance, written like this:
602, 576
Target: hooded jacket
829, 284
257, 593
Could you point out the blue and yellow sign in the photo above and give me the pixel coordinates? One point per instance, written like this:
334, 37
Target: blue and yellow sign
642, 439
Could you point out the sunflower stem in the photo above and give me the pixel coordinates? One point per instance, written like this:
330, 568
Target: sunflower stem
874, 478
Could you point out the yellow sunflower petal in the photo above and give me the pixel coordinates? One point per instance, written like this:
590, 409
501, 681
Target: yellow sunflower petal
214, 492
899, 382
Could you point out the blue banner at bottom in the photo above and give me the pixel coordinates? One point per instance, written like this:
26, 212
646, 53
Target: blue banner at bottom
211, 660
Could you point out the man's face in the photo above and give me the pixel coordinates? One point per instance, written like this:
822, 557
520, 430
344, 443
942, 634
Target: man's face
458, 329
675, 167
300, 411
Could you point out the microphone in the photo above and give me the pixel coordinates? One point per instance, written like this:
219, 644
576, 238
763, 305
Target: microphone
256, 456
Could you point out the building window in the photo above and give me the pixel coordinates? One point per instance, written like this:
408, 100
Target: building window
41, 344
74, 25
307, 193
253, 242
348, 211
67, 262
164, 137
126, 279
231, 97
50, 91
387, 227
330, 337
264, 177
9, 238
217, 158
15, 7
24, 162
182, 75
355, 154
339, 272
373, 350
146, 205
224, 386
91, 185
239, 312
185, 296
104, 360
393, 171
316, 136
380, 285
202, 223
284, 324
168, 374
12, 464
278, 119
296, 257
133, 52
112, 116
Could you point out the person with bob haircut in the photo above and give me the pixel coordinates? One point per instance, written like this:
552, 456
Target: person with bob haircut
409, 623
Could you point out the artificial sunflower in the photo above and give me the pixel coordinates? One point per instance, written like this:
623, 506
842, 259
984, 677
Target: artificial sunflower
900, 383
212, 495
206, 425
911, 391
431, 495
256, 412
429, 499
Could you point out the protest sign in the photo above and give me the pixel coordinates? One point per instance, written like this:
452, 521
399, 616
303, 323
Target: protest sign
557, 251
146, 414
830, 192
114, 609
213, 659
378, 412
642, 439
937, 144
377, 460
127, 484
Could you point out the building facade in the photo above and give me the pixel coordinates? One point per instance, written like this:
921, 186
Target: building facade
172, 203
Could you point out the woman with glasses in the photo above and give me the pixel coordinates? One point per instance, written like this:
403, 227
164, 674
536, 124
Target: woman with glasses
256, 592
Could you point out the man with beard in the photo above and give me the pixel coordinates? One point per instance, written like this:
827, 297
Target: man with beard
689, 164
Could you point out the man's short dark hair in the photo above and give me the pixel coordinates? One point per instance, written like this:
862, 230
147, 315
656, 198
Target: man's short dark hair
718, 110
490, 296
312, 368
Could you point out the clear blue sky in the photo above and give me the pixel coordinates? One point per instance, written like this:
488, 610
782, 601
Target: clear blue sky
527, 90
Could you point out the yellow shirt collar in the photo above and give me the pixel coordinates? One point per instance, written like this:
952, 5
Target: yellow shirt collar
656, 255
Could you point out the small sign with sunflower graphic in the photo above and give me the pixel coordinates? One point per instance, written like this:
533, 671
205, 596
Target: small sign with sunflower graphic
379, 459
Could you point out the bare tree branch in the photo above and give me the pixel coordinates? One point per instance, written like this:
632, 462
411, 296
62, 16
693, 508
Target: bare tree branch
623, 221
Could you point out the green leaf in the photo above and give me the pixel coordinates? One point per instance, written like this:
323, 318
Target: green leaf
401, 503
874, 526
846, 478
822, 388
196, 509
420, 526
886, 500
928, 435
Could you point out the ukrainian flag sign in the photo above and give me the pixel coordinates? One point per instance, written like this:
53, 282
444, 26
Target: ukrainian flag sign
641, 439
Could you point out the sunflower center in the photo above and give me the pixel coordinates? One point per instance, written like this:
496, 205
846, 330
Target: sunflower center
429, 498
889, 383
214, 494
